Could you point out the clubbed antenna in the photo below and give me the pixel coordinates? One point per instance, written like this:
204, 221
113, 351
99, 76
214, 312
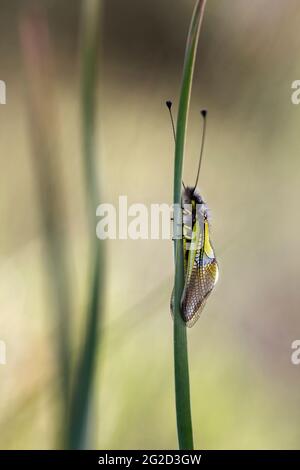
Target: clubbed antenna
203, 114
169, 106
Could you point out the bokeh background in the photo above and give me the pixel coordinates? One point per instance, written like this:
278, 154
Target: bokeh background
245, 390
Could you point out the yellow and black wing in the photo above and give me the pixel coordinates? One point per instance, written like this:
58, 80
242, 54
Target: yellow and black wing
201, 273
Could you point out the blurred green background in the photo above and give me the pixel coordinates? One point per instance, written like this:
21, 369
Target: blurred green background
245, 390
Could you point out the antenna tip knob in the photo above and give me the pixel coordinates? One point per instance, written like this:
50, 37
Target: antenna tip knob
169, 104
204, 112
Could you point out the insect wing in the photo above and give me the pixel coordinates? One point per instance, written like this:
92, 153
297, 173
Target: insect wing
201, 275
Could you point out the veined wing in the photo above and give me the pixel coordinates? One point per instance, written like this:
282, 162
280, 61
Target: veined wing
201, 274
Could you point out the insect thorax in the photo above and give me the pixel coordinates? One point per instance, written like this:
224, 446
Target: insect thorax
194, 209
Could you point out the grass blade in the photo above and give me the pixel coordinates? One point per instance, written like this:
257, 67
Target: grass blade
40, 76
181, 366
84, 375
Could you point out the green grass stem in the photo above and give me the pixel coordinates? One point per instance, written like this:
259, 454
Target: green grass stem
181, 365
85, 371
36, 46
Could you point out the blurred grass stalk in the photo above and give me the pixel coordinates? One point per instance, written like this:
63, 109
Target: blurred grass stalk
181, 366
85, 371
42, 105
